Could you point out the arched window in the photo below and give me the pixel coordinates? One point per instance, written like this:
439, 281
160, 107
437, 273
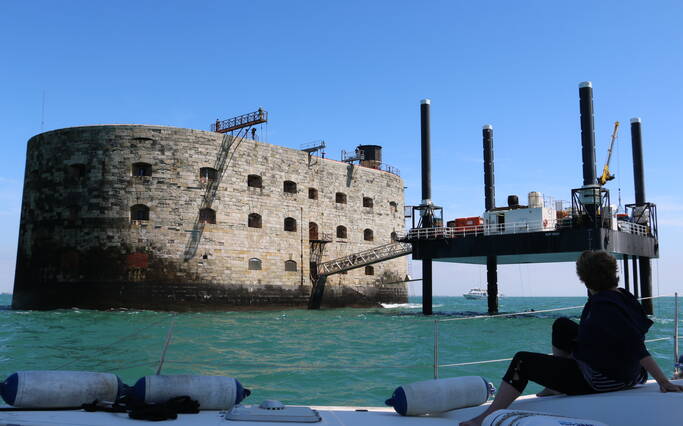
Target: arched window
368, 235
139, 212
341, 231
367, 202
254, 264
254, 181
290, 266
312, 231
394, 237
290, 224
208, 174
392, 207
207, 215
254, 220
369, 270
76, 171
141, 169
289, 187
312, 194
340, 198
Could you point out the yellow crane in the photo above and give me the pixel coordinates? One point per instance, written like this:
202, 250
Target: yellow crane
606, 176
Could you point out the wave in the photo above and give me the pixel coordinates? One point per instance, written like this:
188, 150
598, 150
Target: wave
405, 305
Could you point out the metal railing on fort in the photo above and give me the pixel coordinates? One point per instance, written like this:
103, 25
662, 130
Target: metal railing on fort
240, 121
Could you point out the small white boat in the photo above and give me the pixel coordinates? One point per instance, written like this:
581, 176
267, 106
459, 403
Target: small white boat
478, 293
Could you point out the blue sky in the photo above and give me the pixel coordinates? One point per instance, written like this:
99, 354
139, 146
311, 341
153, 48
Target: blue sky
354, 72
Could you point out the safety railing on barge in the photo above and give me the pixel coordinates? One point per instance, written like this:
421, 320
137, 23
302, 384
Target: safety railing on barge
506, 228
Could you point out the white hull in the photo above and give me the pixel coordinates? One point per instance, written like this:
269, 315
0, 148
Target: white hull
474, 296
644, 405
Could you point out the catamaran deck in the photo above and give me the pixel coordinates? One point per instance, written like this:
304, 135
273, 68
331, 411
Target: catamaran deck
644, 405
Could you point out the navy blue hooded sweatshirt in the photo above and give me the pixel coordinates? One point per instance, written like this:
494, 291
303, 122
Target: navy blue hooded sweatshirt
612, 334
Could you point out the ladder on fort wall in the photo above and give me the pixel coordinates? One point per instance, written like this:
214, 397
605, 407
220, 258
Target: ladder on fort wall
352, 261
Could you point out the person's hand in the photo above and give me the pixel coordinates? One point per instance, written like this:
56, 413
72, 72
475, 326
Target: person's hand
670, 387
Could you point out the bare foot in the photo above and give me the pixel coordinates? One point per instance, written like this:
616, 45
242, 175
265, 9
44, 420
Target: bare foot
548, 392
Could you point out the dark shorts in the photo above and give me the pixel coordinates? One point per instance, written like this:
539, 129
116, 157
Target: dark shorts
557, 373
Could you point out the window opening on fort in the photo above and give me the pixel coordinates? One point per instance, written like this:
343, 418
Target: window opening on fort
254, 220
369, 270
340, 198
290, 266
289, 187
208, 174
392, 207
368, 235
255, 181
312, 231
77, 171
341, 231
394, 237
139, 212
142, 169
254, 264
312, 194
207, 215
367, 202
290, 224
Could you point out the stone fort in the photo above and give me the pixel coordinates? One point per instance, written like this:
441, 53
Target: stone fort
155, 217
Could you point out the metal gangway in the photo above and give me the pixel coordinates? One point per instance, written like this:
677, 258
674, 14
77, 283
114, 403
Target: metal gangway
352, 261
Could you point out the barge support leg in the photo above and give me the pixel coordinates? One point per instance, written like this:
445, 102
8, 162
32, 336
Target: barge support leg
634, 264
492, 283
645, 283
427, 286
627, 284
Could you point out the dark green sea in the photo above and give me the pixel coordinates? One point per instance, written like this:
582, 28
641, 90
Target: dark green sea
327, 357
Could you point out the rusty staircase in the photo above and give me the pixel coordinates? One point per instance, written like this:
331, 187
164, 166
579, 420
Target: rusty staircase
320, 272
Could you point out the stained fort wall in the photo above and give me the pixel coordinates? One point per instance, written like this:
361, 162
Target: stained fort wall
111, 218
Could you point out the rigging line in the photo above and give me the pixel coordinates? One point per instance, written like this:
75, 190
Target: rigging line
163, 352
122, 339
308, 367
512, 314
490, 361
129, 366
534, 312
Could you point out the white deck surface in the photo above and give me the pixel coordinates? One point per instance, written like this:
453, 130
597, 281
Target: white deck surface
642, 406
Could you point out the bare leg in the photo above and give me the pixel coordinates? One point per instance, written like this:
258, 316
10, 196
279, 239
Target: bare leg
559, 353
504, 397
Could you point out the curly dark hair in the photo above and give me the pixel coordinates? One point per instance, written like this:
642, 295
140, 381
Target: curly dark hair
598, 270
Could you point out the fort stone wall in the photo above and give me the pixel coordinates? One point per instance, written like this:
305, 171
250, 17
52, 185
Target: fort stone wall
159, 217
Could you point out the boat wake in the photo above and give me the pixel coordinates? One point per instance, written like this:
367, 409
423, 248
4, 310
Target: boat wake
401, 305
